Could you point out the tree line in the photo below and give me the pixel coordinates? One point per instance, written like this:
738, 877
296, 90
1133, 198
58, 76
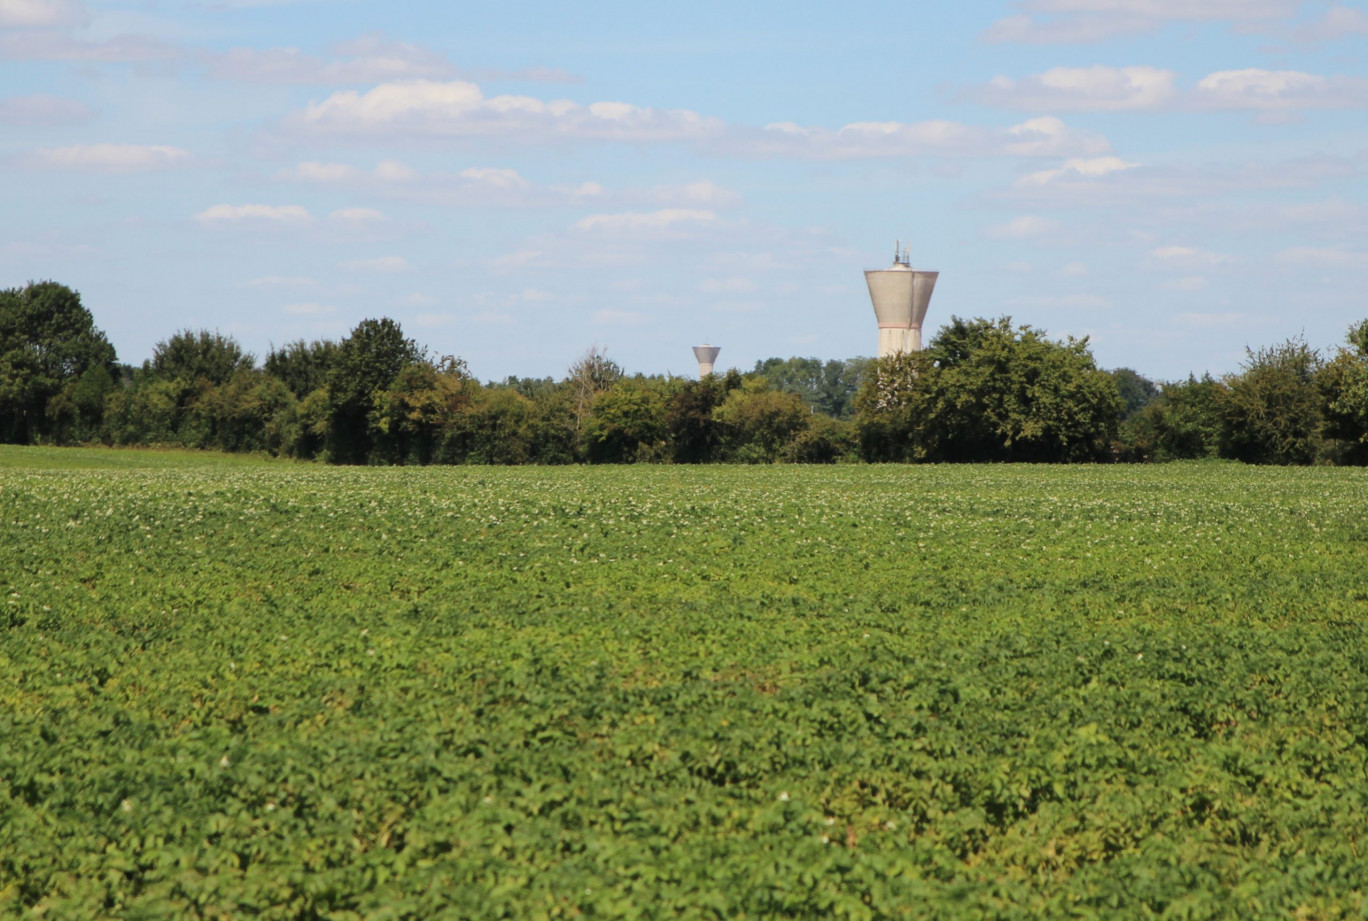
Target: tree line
983, 390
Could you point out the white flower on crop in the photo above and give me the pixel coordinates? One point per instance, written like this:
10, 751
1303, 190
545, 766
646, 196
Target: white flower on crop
784, 797
224, 762
126, 805
890, 825
829, 821
825, 839
370, 652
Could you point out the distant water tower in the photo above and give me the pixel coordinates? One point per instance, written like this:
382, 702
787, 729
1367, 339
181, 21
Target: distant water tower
901, 296
706, 355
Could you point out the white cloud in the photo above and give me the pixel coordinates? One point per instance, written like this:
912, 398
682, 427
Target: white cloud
1035, 137
42, 109
703, 193
727, 285
309, 309
1025, 30
1187, 10
1050, 137
1333, 257
426, 108
1082, 21
385, 264
369, 59
1145, 186
1328, 211
1024, 227
394, 171
1253, 88
1183, 257
1187, 283
634, 222
618, 317
1081, 89
51, 45
1077, 167
290, 214
357, 216
495, 178
1336, 23
1074, 270
519, 261
40, 14
109, 158
313, 171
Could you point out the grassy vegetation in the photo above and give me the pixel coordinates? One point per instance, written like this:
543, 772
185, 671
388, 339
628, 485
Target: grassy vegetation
234, 688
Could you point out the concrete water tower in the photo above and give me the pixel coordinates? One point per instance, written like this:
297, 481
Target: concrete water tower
900, 295
706, 355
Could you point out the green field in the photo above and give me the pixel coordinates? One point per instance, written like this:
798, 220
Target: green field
233, 687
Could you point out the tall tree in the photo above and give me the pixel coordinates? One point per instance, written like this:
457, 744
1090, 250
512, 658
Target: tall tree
367, 363
199, 355
48, 342
593, 374
302, 366
1271, 411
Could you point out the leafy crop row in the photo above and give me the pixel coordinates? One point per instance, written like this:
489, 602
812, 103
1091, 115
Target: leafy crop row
970, 692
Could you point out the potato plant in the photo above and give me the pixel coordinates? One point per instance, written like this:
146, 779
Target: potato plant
233, 688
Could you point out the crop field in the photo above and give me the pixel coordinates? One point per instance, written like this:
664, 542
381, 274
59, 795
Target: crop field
237, 688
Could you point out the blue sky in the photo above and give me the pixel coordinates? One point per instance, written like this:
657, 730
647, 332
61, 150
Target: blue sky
517, 182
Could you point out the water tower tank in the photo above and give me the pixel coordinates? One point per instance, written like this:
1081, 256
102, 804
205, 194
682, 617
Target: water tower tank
706, 355
901, 295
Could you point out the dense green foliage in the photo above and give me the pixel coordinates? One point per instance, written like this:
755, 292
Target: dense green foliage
983, 390
55, 366
986, 391
276, 690
828, 388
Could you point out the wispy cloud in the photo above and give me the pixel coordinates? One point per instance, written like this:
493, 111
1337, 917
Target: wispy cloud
225, 214
1330, 257
1254, 88
1081, 89
41, 14
108, 158
371, 58
637, 222
383, 264
457, 109
1022, 228
1188, 257
1036, 137
52, 45
1051, 22
42, 109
